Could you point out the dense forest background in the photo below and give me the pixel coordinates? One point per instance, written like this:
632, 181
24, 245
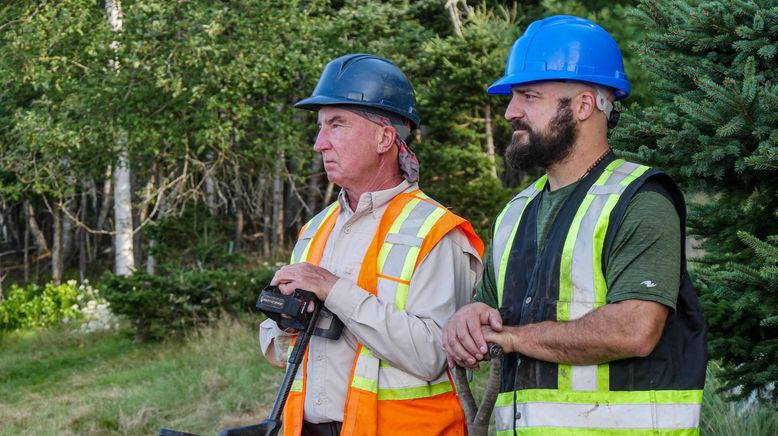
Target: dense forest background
157, 139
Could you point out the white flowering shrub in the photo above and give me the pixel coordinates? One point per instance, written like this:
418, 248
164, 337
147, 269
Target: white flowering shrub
95, 310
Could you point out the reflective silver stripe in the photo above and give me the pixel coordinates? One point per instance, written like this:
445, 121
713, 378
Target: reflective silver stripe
584, 377
599, 201
405, 239
505, 229
599, 416
309, 233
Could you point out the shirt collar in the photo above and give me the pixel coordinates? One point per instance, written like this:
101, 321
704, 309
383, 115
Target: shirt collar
369, 202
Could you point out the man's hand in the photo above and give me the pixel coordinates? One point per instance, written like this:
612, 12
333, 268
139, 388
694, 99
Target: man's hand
304, 276
462, 337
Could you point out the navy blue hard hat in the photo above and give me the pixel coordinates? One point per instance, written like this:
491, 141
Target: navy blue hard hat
364, 80
565, 48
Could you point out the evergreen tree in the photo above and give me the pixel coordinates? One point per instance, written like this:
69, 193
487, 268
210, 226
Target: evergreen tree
714, 126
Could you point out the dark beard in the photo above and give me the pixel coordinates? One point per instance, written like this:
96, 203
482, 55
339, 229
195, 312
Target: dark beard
544, 150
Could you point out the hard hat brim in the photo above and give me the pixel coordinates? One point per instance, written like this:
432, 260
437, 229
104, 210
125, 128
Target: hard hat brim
621, 88
314, 103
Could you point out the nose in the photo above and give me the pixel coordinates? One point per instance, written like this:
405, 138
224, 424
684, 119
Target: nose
514, 109
322, 143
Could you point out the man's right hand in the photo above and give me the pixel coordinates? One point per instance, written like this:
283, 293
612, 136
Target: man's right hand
462, 337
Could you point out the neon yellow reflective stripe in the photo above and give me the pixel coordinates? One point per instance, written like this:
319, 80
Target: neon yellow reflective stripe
386, 247
504, 399
401, 296
409, 264
603, 377
304, 255
365, 352
600, 285
558, 431
539, 185
611, 397
398, 222
365, 384
430, 221
564, 375
415, 392
297, 386
566, 263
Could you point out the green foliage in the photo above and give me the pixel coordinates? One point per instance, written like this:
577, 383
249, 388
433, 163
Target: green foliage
193, 239
163, 305
39, 306
713, 125
752, 361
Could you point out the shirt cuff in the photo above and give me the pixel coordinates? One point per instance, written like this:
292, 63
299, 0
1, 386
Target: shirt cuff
268, 330
344, 298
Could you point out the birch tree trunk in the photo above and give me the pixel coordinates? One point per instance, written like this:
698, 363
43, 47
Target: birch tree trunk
124, 259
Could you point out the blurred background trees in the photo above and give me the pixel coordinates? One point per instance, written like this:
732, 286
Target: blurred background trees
195, 99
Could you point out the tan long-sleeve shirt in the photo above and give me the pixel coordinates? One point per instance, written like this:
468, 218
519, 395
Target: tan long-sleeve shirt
409, 340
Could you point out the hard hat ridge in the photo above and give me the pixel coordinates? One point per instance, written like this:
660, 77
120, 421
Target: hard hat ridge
364, 80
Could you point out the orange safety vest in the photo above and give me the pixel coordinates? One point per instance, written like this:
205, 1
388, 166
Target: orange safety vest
382, 399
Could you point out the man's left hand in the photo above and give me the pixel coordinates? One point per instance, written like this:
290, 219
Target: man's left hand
304, 276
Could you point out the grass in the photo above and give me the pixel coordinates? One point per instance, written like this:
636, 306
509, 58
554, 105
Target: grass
58, 382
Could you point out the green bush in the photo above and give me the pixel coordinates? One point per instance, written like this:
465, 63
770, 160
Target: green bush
36, 306
195, 239
163, 305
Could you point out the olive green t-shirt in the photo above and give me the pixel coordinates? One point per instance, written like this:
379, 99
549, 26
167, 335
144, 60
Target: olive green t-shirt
644, 261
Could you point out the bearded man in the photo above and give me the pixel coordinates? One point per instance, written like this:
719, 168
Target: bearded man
597, 316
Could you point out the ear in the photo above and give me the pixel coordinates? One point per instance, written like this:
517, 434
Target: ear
386, 138
585, 105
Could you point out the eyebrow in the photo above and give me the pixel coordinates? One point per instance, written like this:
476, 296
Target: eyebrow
524, 90
335, 119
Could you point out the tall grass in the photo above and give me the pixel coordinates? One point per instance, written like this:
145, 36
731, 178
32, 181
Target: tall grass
59, 382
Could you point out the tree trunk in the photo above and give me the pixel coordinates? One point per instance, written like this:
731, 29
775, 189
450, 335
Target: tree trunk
81, 236
239, 224
329, 193
151, 261
56, 244
313, 186
490, 138
107, 196
26, 244
124, 256
68, 230
40, 240
277, 235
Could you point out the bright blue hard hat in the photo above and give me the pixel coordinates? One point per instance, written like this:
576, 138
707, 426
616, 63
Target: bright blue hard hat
565, 48
364, 80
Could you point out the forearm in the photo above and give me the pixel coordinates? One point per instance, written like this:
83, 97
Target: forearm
274, 343
615, 331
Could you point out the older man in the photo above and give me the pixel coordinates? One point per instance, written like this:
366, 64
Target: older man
600, 324
389, 261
